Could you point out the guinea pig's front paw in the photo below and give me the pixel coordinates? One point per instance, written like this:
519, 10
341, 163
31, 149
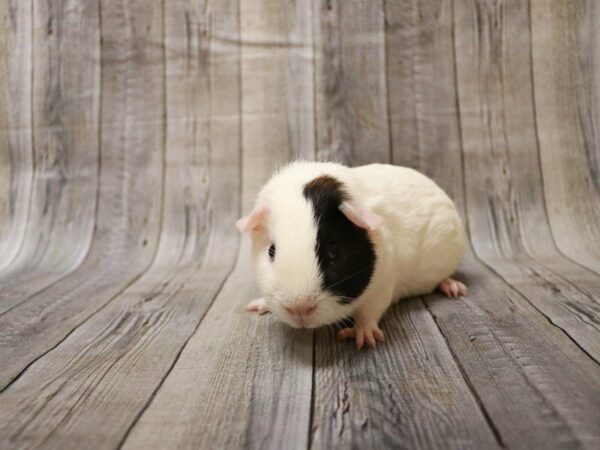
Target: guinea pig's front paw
258, 306
361, 332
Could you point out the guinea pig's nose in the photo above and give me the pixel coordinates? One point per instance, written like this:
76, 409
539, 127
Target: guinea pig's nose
301, 309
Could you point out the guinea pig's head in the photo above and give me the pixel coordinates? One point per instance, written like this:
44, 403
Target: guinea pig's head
313, 254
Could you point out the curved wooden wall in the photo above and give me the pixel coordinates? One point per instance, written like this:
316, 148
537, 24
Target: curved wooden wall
133, 134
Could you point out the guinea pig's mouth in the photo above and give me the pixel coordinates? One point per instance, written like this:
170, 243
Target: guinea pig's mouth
297, 322
301, 324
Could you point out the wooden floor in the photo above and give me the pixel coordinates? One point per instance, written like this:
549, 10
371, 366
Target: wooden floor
133, 135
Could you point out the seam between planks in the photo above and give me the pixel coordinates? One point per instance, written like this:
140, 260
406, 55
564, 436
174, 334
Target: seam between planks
311, 414
52, 284
240, 115
466, 379
315, 13
387, 83
100, 128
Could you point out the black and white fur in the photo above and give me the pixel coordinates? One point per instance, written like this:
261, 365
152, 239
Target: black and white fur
330, 242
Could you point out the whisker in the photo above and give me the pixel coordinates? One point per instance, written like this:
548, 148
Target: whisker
347, 278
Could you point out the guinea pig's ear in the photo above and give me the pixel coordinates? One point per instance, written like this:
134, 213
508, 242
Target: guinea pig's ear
254, 220
361, 217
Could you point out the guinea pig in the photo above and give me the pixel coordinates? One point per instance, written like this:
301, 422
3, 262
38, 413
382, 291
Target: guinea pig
331, 242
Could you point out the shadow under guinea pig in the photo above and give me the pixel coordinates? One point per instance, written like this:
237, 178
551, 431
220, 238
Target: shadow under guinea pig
400, 324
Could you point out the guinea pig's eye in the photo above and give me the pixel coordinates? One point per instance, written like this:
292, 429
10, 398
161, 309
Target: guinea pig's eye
332, 250
272, 252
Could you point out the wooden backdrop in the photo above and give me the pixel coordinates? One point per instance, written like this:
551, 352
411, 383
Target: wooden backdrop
133, 134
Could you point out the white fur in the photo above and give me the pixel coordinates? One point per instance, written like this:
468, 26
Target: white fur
420, 243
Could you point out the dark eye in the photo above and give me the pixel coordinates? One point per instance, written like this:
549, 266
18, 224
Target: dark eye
332, 250
272, 252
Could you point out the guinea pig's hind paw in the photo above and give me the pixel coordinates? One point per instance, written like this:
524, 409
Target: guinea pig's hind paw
258, 306
453, 288
371, 334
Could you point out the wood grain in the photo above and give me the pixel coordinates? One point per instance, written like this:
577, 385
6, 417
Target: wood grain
128, 213
65, 148
507, 322
502, 173
408, 393
516, 360
350, 82
566, 101
245, 374
145, 327
133, 134
276, 63
422, 91
258, 389
16, 152
416, 404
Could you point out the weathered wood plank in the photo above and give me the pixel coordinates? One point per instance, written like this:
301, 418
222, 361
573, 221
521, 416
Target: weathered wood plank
123, 353
422, 86
65, 115
107, 277
128, 216
408, 393
507, 218
354, 407
299, 69
350, 82
248, 375
565, 79
503, 345
277, 68
539, 389
16, 157
261, 366
105, 373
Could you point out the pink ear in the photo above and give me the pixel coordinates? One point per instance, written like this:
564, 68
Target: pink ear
361, 217
253, 220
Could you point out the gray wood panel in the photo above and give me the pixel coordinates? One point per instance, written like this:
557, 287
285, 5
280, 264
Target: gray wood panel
500, 328
421, 395
408, 393
259, 389
506, 211
16, 157
133, 134
351, 108
565, 75
145, 327
64, 124
129, 209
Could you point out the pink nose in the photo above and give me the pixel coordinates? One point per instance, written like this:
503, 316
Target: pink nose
301, 309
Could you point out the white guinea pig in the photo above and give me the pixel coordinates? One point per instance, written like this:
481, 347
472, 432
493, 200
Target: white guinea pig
331, 242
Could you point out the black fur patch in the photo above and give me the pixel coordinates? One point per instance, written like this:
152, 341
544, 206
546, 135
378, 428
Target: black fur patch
345, 252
